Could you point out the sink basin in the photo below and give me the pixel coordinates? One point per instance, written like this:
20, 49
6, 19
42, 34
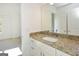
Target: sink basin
51, 39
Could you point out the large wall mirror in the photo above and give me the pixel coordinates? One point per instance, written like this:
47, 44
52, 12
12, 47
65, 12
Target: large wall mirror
65, 18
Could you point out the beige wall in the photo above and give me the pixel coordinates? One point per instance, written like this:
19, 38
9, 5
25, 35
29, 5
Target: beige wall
30, 22
46, 17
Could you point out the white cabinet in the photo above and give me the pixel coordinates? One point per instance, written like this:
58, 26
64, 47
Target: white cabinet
40, 49
36, 51
47, 50
60, 53
35, 48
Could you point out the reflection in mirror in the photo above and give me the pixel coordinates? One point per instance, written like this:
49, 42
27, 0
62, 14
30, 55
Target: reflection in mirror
65, 18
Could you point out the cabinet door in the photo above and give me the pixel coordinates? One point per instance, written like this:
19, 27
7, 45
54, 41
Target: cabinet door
47, 50
60, 21
60, 53
73, 21
35, 49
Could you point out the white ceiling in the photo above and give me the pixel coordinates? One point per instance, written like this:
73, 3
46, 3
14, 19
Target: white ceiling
60, 4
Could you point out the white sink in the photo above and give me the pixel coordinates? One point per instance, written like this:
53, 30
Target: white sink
51, 39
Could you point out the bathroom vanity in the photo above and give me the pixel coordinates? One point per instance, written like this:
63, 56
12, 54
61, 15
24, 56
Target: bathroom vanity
56, 45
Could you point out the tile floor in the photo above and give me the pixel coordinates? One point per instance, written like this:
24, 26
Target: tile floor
11, 46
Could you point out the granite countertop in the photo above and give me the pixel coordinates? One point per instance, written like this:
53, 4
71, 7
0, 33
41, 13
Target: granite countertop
66, 43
